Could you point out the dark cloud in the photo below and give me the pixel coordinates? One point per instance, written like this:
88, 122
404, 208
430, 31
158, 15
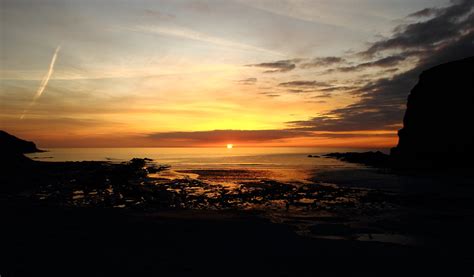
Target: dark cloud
269, 94
296, 90
301, 90
383, 62
352, 118
448, 36
278, 66
323, 62
223, 136
214, 137
305, 84
324, 95
314, 86
353, 135
339, 88
448, 23
424, 13
248, 81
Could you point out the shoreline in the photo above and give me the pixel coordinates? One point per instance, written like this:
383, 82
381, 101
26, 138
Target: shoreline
317, 220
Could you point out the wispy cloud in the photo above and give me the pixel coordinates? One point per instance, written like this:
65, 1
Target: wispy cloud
304, 84
323, 62
187, 33
248, 81
278, 66
44, 82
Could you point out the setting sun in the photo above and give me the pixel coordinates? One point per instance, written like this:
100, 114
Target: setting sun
230, 146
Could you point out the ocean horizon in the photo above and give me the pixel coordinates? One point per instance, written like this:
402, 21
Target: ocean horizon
170, 153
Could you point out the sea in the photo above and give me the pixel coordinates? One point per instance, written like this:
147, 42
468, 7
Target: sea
220, 165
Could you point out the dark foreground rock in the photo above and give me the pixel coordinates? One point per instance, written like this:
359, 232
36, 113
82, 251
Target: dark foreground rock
376, 159
438, 127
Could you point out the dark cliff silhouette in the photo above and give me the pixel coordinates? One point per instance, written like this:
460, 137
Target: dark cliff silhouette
438, 127
11, 144
12, 158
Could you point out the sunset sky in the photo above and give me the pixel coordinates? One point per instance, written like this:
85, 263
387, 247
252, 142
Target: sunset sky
134, 73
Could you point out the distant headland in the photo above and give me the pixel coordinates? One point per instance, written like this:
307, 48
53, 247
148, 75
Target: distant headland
12, 144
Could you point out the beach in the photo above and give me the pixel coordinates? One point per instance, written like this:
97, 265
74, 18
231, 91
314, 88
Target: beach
131, 213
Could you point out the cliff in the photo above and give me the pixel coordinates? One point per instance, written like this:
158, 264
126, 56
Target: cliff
11, 152
438, 127
14, 145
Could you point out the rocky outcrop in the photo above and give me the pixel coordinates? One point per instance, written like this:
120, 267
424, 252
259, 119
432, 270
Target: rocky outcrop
12, 150
376, 159
12, 144
438, 127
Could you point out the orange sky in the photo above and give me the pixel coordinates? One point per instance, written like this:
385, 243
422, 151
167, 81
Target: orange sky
174, 74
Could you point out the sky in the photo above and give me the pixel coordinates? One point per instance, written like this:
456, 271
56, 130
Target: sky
143, 73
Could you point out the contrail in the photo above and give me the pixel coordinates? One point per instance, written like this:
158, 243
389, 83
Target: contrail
44, 82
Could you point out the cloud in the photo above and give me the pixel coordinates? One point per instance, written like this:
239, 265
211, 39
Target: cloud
248, 81
323, 62
383, 62
448, 23
339, 88
424, 13
187, 33
352, 118
278, 66
270, 94
298, 90
324, 95
223, 136
304, 84
448, 36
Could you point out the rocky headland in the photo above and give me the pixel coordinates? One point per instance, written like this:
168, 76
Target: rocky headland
12, 151
438, 126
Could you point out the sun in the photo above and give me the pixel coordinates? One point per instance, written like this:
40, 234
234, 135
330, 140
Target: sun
230, 146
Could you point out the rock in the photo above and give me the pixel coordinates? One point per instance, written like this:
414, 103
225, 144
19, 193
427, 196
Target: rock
12, 144
11, 153
376, 159
438, 127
